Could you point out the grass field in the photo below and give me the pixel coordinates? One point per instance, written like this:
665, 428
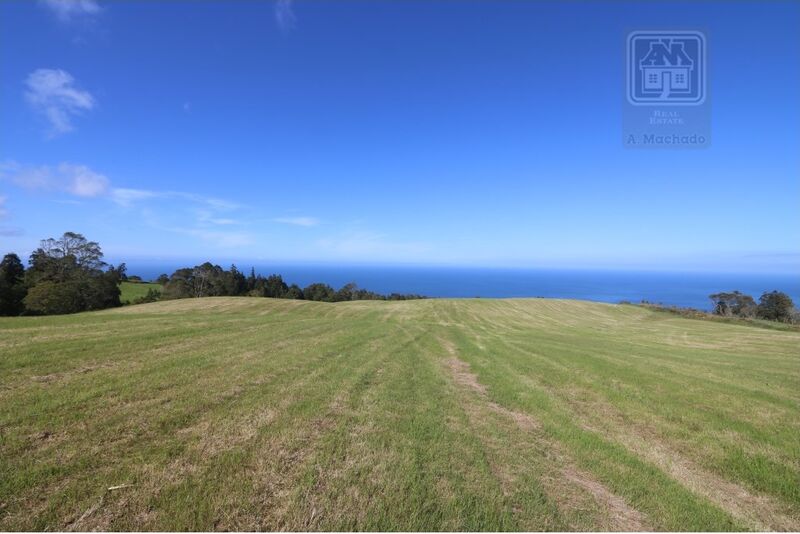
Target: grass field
133, 290
251, 413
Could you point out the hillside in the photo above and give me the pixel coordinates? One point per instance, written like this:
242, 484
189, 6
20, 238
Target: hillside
130, 291
240, 413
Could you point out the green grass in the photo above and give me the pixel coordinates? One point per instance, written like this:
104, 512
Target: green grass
250, 413
129, 291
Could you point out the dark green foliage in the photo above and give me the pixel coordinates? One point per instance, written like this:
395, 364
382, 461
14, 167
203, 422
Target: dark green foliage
235, 283
776, 306
151, 296
294, 292
53, 298
12, 285
275, 287
162, 279
68, 275
733, 304
205, 280
209, 280
319, 292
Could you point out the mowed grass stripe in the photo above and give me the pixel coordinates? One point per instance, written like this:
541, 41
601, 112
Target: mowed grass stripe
236, 413
667, 504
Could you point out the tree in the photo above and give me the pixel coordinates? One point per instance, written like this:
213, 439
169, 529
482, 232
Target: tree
67, 275
235, 282
733, 304
180, 284
12, 285
204, 280
201, 280
346, 292
251, 280
49, 298
162, 279
320, 292
293, 292
275, 287
776, 306
102, 290
86, 254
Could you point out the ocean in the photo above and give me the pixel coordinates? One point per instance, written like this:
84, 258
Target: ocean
669, 288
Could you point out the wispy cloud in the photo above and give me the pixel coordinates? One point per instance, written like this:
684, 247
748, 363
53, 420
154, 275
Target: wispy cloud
52, 93
209, 218
7, 231
187, 214
297, 221
66, 10
284, 15
82, 181
77, 180
127, 197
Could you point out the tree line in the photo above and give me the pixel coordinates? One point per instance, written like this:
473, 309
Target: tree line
208, 280
68, 275
772, 306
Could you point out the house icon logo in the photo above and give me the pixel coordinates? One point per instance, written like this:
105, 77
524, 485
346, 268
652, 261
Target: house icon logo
666, 67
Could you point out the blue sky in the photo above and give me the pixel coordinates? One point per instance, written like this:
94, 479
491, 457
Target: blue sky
455, 133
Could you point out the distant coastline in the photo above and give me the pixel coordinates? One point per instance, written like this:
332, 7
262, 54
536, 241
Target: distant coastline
669, 288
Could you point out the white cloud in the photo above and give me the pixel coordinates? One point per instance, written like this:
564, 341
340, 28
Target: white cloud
297, 221
77, 180
126, 197
53, 94
66, 10
187, 214
284, 15
83, 181
209, 218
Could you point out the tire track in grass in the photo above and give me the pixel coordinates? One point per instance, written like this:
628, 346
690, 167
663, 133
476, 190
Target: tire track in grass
758, 511
557, 389
617, 514
668, 504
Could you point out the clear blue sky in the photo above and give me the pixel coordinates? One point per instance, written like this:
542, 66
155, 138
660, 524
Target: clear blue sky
468, 133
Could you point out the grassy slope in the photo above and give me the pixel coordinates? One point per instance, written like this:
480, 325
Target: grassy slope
133, 290
246, 414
